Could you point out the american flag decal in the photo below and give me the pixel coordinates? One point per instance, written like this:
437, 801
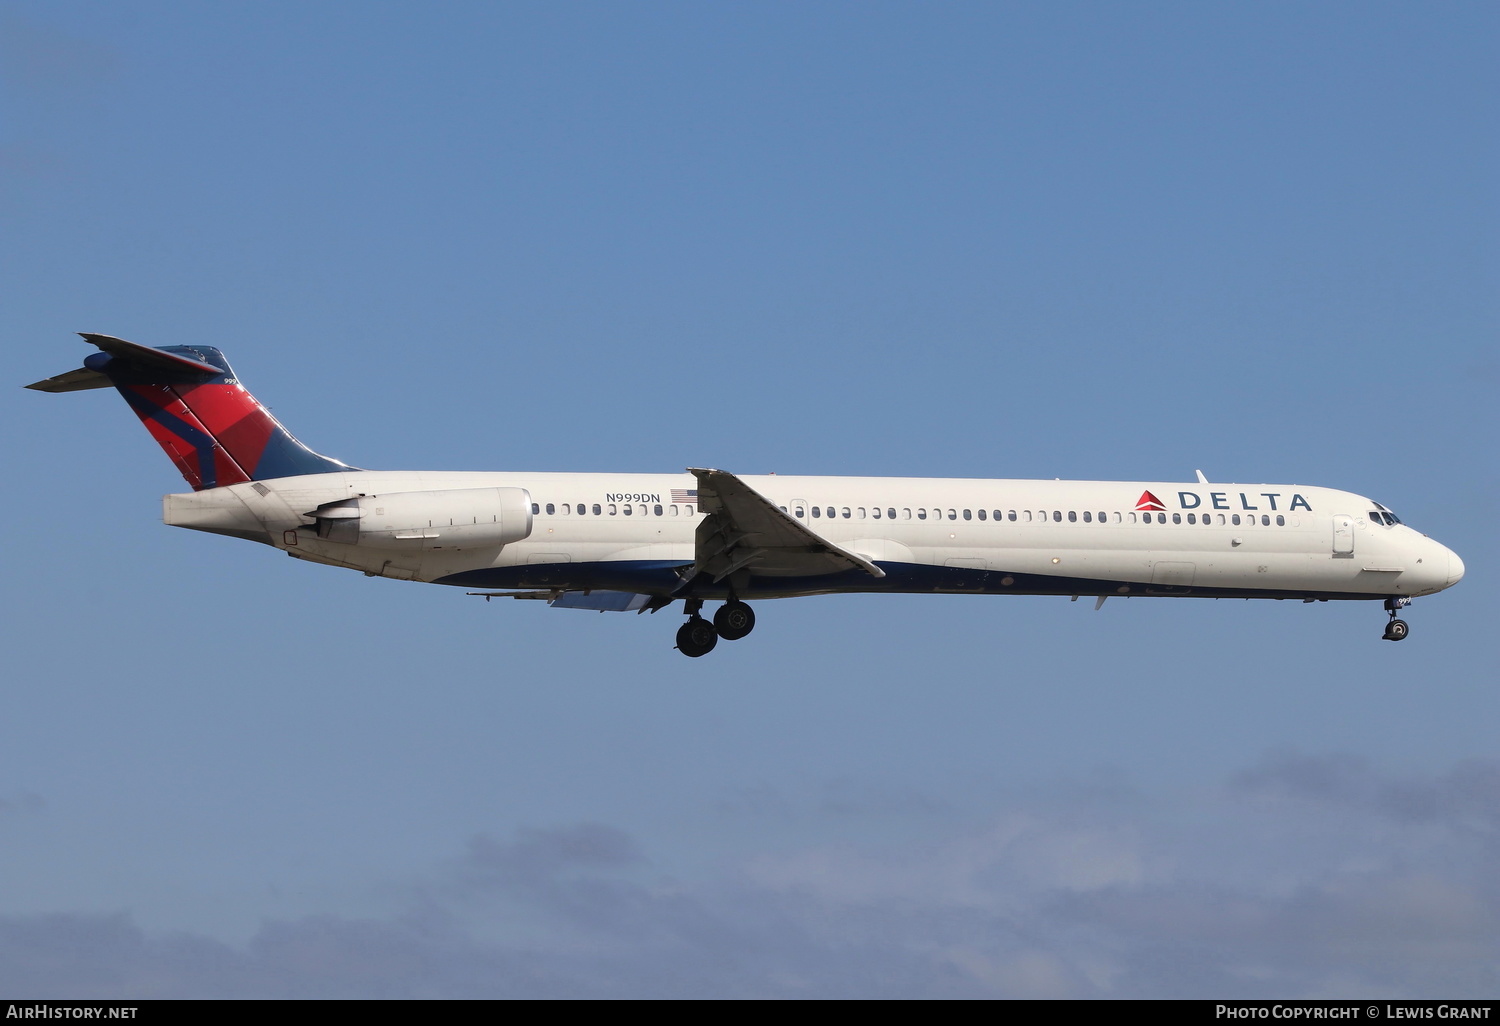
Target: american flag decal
685, 495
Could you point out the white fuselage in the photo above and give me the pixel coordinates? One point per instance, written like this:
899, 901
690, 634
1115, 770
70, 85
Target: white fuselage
627, 531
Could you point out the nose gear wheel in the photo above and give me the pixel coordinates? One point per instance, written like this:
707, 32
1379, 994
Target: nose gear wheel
1397, 629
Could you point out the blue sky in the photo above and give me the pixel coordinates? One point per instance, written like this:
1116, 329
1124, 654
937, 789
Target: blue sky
1060, 240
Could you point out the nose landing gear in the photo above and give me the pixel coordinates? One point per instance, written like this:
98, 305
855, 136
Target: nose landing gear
1397, 629
698, 637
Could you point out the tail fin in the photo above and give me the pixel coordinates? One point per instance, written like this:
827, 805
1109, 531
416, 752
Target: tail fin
189, 399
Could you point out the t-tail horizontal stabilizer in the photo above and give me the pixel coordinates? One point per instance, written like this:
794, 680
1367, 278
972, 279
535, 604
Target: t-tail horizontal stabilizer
215, 431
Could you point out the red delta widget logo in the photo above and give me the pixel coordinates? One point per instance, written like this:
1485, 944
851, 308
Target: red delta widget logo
1220, 500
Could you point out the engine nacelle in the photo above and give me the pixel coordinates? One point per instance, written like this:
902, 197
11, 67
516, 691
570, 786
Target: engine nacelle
453, 518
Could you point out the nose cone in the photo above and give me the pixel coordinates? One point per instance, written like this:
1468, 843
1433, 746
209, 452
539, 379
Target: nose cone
1455, 569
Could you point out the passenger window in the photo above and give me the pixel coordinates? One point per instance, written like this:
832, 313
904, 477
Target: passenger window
1010, 515
1176, 518
860, 511
876, 512
688, 511
890, 514
1072, 516
968, 515
1088, 517
1280, 520
626, 509
818, 511
656, 510
799, 511
921, 514
674, 511
1026, 516
830, 512
1057, 516
613, 509
1235, 520
535, 509
596, 509
582, 509
981, 514
1132, 517
1192, 518
905, 513
846, 512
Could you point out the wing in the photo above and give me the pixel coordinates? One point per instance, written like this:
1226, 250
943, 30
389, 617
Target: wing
745, 531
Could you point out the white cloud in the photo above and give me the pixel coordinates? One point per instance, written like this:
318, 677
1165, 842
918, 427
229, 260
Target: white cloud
1306, 876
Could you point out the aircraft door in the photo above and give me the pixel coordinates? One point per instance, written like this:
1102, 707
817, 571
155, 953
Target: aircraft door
1173, 575
1343, 536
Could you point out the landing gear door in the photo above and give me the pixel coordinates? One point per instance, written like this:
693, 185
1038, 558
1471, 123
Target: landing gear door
1343, 535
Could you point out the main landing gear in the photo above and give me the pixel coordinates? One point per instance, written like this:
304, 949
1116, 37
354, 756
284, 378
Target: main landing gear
698, 637
1396, 630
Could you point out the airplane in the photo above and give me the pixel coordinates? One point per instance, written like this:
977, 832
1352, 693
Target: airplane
640, 542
